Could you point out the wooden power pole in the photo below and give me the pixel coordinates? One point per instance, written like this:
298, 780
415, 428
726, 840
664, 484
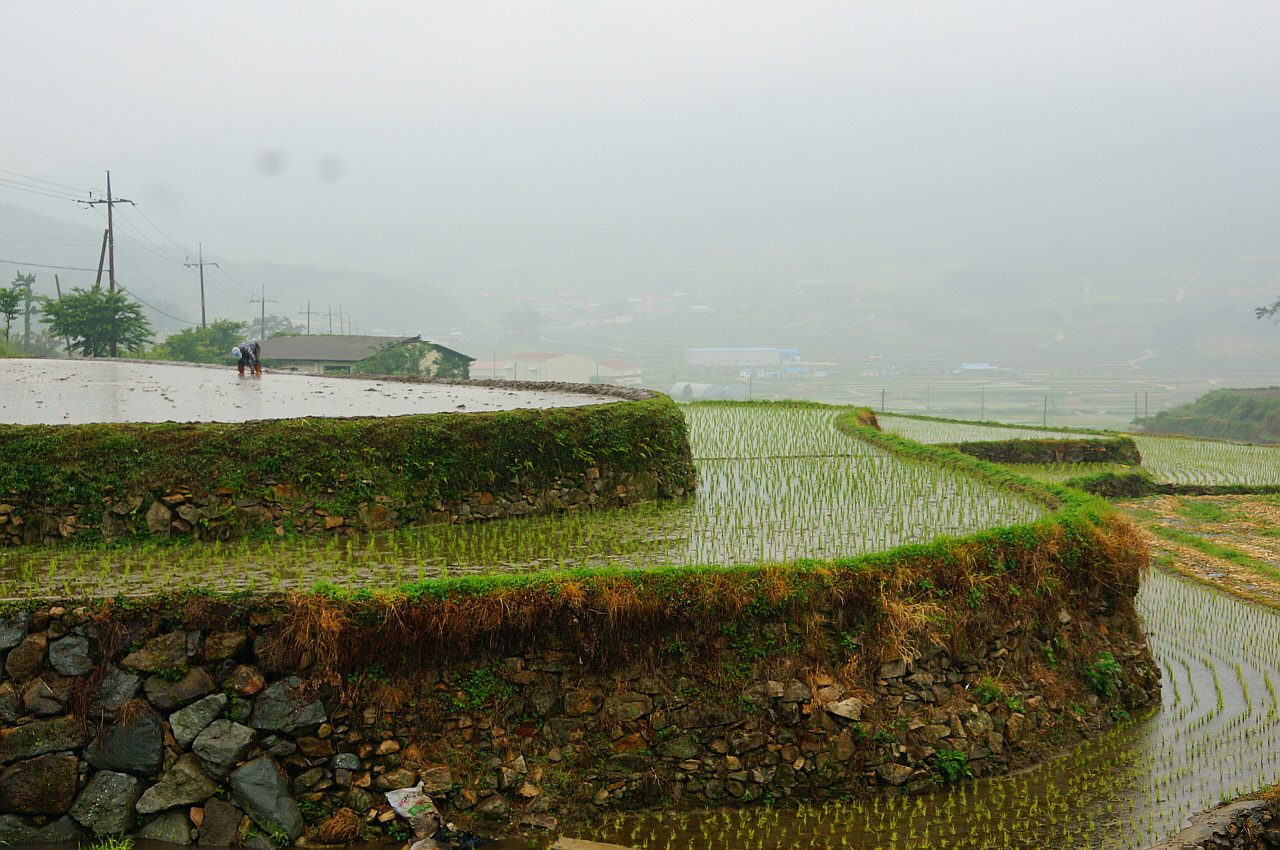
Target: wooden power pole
201, 263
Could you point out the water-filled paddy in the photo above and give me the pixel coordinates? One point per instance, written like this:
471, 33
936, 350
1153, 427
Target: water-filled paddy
775, 485
1177, 460
75, 392
1215, 736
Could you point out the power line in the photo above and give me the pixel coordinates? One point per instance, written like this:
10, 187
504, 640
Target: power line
50, 155
50, 182
35, 190
47, 266
162, 233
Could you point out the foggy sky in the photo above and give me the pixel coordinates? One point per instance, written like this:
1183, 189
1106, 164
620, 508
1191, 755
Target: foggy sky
448, 142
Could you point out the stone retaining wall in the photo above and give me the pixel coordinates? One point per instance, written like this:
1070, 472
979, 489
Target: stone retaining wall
176, 724
221, 514
206, 481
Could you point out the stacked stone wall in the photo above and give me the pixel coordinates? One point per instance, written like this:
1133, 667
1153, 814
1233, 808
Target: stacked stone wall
221, 514
119, 721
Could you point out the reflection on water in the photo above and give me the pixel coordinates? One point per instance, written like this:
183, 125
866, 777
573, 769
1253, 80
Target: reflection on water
1214, 736
752, 510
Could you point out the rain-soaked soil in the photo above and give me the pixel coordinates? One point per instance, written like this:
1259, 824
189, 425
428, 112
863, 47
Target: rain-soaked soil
77, 392
1229, 542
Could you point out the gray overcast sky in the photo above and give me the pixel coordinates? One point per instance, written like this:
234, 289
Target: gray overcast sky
439, 138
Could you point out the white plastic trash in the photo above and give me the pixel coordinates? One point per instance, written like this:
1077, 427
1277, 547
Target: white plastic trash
423, 816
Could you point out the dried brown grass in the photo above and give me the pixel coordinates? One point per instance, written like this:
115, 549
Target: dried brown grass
342, 827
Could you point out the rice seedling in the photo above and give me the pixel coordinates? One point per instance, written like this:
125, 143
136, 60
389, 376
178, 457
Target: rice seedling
1214, 738
777, 485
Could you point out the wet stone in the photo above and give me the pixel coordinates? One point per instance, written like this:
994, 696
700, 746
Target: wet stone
221, 745
189, 722
162, 653
27, 658
15, 830
106, 805
167, 695
283, 707
221, 820
13, 630
44, 785
172, 827
40, 737
70, 656
185, 784
262, 791
136, 746
115, 689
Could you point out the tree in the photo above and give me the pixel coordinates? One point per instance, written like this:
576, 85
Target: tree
275, 325
98, 323
201, 345
14, 299
394, 358
1268, 311
10, 304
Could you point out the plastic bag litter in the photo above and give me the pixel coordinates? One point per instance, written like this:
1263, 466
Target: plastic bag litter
460, 839
414, 806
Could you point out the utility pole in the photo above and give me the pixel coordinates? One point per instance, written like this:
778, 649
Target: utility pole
111, 233
201, 263
102, 259
309, 315
262, 323
330, 320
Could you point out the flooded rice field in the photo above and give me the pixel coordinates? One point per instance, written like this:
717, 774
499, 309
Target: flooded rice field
78, 392
1215, 736
1177, 460
775, 486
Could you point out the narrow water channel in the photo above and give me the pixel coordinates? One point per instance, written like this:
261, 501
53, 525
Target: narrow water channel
1214, 737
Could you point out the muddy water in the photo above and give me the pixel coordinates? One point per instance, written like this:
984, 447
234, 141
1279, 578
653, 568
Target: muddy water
77, 392
1215, 735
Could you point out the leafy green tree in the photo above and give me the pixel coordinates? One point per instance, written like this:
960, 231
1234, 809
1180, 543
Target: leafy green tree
201, 345
14, 300
10, 304
275, 325
394, 358
98, 323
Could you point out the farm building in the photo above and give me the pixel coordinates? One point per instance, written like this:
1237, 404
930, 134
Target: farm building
401, 355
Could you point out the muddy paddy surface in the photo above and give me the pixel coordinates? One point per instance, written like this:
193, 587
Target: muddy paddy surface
78, 392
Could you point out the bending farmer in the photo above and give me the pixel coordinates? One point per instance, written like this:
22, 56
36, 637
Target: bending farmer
247, 355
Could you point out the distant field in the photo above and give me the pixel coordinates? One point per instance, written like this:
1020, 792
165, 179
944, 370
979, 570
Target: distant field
1169, 459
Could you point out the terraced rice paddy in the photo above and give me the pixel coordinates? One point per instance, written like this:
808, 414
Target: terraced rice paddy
934, 431
775, 485
1177, 460
1216, 736
1187, 461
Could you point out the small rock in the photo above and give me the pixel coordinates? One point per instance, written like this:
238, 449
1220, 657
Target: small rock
494, 806
850, 708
